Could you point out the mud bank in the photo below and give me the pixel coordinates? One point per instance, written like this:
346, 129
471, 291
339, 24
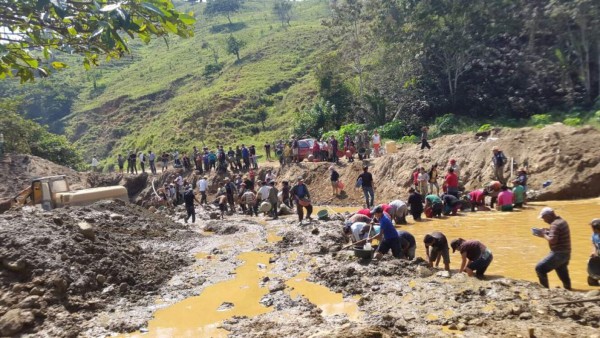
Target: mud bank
60, 268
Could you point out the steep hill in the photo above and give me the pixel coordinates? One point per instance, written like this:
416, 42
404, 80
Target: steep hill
164, 98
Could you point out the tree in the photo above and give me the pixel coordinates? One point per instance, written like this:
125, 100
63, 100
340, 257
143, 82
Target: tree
222, 7
234, 45
283, 10
35, 28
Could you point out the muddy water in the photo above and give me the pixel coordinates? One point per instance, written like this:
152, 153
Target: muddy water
330, 302
200, 316
508, 234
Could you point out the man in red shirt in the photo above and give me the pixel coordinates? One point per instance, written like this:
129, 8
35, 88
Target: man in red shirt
451, 182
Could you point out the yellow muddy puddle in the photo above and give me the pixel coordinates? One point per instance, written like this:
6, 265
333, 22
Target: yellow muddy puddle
330, 302
508, 234
201, 255
272, 237
200, 316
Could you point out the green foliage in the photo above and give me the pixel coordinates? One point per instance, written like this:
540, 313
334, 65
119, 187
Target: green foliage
234, 45
392, 130
351, 129
597, 116
27, 137
283, 10
484, 128
315, 121
541, 119
212, 68
572, 121
446, 124
222, 7
409, 139
88, 28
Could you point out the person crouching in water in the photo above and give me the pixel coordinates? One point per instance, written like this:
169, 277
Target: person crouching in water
391, 239
439, 249
505, 199
476, 257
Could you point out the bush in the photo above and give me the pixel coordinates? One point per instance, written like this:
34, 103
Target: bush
212, 68
484, 128
541, 119
597, 116
446, 124
350, 129
409, 139
392, 130
572, 121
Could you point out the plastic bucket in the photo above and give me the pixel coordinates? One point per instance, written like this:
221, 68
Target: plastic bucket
322, 214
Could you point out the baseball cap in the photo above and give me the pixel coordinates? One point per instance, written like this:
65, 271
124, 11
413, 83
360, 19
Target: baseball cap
546, 211
595, 223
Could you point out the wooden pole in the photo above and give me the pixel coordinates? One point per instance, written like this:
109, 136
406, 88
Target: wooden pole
577, 301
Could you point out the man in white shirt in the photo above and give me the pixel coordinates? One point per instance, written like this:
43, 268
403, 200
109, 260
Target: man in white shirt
94, 164
143, 161
263, 192
202, 187
376, 142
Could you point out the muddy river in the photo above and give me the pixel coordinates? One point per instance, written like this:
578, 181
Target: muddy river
508, 235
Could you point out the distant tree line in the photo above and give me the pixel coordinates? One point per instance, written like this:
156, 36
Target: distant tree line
414, 60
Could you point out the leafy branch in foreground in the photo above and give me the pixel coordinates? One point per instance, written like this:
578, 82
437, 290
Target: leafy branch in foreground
30, 29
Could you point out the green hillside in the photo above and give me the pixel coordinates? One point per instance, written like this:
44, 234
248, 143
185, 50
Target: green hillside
163, 99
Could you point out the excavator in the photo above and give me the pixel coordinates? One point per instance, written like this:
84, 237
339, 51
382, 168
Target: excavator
53, 192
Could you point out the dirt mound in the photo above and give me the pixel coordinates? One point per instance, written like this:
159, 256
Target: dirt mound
556, 155
17, 171
60, 267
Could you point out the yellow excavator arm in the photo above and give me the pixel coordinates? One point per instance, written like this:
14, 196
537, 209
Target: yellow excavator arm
23, 197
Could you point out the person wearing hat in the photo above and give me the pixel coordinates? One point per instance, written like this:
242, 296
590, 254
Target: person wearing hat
499, 160
189, 198
388, 236
559, 240
301, 196
452, 164
366, 180
476, 257
439, 249
594, 263
202, 187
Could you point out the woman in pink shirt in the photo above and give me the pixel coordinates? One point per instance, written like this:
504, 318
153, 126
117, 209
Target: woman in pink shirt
505, 199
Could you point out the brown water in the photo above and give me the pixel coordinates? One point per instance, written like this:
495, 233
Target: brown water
508, 234
330, 302
200, 316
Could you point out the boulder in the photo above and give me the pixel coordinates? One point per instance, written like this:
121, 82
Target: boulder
86, 230
13, 321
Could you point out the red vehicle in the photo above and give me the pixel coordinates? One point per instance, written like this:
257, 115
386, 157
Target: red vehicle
305, 147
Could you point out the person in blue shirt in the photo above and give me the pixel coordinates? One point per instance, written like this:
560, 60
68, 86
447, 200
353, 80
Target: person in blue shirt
388, 236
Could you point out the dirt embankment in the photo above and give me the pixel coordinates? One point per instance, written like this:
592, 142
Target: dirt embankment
59, 268
557, 153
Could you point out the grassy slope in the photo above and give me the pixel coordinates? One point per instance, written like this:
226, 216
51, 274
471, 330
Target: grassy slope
159, 99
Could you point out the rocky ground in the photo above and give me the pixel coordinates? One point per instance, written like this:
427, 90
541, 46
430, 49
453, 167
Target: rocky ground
102, 269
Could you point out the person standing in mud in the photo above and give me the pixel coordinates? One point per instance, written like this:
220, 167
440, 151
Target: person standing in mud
476, 257
165, 161
202, 188
295, 149
189, 198
366, 180
285, 194
268, 150
273, 199
559, 240
439, 249
151, 161
120, 163
230, 191
424, 143
499, 160
301, 196
132, 160
142, 161
415, 201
